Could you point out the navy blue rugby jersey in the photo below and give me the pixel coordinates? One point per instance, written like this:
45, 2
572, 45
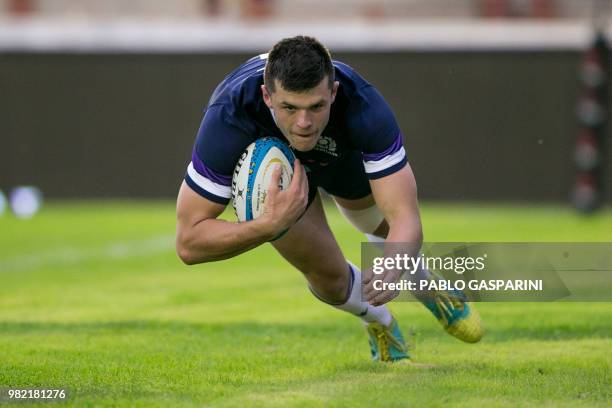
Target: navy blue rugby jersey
236, 115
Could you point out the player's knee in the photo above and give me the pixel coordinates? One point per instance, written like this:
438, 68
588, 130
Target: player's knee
369, 220
334, 295
331, 288
339, 288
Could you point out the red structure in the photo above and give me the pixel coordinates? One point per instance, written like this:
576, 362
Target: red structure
20, 7
588, 189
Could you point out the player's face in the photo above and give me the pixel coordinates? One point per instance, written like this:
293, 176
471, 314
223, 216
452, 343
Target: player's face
301, 116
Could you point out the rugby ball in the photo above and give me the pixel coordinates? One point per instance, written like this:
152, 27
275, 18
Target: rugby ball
253, 174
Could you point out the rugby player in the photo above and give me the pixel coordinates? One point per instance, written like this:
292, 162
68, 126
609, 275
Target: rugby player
348, 143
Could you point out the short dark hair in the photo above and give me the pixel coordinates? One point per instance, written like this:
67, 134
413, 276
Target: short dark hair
299, 63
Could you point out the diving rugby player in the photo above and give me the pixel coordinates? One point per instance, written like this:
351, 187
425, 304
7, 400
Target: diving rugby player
348, 143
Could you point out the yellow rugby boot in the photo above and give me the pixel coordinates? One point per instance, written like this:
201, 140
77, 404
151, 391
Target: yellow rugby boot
387, 342
456, 315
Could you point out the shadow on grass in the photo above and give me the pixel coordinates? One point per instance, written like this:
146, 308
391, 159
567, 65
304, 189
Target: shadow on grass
254, 330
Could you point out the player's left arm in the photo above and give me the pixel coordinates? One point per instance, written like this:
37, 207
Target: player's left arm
396, 197
374, 128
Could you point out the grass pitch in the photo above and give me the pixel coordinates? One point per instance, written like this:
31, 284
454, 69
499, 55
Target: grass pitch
93, 300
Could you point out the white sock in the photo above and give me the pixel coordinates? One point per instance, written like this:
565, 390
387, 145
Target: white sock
378, 242
356, 306
374, 238
421, 274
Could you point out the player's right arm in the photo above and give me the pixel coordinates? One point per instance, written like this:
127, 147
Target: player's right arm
202, 237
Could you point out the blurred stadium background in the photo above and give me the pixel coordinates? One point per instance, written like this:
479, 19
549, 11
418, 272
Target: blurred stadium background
504, 108
102, 99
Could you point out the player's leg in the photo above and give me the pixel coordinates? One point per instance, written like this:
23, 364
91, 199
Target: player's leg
385, 338
364, 215
455, 314
311, 247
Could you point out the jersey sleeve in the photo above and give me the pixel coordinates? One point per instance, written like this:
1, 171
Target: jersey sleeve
218, 146
375, 130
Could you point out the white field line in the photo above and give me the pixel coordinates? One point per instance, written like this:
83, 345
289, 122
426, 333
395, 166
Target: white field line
66, 256
194, 35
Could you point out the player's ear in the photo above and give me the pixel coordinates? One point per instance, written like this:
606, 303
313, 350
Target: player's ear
266, 96
334, 90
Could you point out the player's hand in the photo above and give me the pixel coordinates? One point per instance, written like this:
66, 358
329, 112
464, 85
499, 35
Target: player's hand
379, 297
282, 208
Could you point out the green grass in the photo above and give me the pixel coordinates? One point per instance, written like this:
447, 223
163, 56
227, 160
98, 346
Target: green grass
94, 300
